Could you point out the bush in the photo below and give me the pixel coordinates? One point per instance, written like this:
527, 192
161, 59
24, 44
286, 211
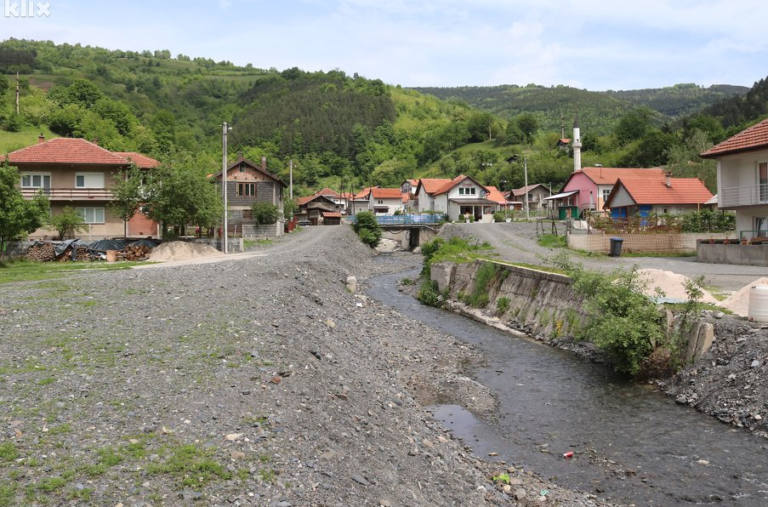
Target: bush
502, 305
367, 228
498, 216
429, 295
68, 222
265, 213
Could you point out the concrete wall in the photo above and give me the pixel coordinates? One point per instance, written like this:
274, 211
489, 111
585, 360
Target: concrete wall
540, 303
668, 243
748, 255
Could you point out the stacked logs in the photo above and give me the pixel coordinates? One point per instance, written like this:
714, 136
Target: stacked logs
82, 254
137, 252
41, 252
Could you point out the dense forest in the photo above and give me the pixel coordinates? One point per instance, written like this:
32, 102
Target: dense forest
350, 131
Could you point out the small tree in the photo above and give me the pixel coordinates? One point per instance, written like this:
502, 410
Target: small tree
368, 228
18, 216
265, 213
127, 193
68, 222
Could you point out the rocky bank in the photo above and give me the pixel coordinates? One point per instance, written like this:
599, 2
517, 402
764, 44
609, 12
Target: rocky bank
262, 381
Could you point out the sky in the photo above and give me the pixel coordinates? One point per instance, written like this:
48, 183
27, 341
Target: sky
590, 44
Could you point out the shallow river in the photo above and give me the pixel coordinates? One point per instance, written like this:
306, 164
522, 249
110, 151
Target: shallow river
631, 444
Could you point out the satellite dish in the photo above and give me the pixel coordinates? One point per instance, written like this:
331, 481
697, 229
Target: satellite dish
483, 194
406, 187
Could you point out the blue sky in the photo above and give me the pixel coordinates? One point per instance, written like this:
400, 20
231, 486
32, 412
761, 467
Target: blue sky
591, 44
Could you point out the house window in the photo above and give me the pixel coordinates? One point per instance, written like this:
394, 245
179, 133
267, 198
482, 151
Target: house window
761, 227
467, 191
762, 180
606, 194
34, 180
92, 215
89, 180
246, 189
242, 168
381, 202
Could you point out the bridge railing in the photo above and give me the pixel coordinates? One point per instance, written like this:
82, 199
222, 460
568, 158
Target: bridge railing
426, 219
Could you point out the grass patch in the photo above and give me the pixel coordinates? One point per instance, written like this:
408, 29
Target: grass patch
249, 243
27, 271
552, 241
7, 494
191, 466
8, 452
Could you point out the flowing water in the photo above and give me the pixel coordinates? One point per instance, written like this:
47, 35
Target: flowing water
631, 444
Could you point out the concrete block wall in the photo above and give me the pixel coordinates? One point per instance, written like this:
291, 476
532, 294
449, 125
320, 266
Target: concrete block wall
659, 243
747, 255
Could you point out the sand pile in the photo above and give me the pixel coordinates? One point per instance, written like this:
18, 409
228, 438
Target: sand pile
672, 285
738, 302
182, 251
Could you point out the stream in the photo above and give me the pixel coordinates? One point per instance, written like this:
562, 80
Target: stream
631, 443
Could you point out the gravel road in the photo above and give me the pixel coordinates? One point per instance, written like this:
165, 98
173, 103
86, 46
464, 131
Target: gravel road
256, 380
516, 242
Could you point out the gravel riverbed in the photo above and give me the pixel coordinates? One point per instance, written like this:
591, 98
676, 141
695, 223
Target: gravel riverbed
259, 381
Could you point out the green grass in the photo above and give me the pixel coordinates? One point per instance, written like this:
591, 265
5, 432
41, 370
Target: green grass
248, 243
8, 452
27, 271
552, 241
12, 141
191, 466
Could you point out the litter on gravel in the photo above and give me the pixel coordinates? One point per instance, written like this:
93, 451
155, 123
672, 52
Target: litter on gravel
738, 302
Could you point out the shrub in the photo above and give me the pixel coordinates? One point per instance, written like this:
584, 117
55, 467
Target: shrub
429, 295
502, 305
367, 228
68, 222
265, 213
498, 216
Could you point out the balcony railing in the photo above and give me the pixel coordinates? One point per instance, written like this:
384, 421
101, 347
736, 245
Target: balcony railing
750, 195
70, 194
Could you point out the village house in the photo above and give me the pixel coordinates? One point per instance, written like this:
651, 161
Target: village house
318, 209
643, 197
248, 183
80, 174
380, 201
742, 179
536, 195
460, 198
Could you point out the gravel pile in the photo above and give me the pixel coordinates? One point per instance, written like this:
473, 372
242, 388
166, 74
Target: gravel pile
738, 302
730, 381
263, 381
181, 251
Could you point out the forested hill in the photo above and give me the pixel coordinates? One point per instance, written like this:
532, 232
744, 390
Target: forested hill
600, 110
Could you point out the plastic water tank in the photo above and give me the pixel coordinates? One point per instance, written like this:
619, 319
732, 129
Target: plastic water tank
758, 303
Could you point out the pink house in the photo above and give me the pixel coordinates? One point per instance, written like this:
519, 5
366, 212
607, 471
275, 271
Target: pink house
590, 187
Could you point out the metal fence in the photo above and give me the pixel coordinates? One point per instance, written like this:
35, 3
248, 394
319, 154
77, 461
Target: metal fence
427, 219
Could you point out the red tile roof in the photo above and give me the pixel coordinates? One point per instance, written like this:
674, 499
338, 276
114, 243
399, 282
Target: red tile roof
753, 138
609, 175
680, 191
142, 161
495, 195
523, 190
301, 201
455, 181
65, 150
387, 193
331, 214
432, 185
363, 194
327, 192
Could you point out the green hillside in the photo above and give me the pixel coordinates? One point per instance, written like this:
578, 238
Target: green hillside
351, 131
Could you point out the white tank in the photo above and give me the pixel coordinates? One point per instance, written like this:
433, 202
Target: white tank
758, 303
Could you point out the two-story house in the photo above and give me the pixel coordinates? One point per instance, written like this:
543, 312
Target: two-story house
380, 201
248, 183
536, 194
742, 178
460, 198
79, 174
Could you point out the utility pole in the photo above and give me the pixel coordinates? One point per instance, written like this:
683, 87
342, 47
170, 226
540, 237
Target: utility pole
525, 171
17, 93
224, 131
291, 172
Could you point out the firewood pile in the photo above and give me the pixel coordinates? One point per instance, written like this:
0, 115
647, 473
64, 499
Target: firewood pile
137, 252
41, 252
82, 253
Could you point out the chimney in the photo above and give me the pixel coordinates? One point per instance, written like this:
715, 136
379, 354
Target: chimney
669, 179
263, 163
239, 155
40, 138
96, 141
